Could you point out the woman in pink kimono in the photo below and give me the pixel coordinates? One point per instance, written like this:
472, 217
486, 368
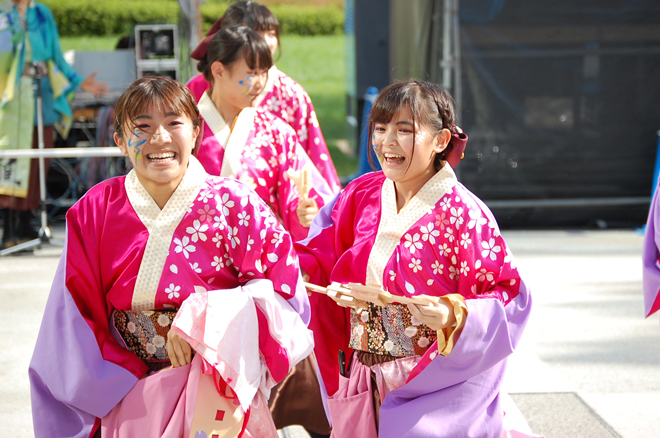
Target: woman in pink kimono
251, 144
281, 95
413, 230
178, 301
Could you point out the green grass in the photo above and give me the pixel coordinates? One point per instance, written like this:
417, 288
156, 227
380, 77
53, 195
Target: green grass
316, 62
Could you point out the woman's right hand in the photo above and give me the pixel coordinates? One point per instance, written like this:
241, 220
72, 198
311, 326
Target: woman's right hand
178, 350
307, 211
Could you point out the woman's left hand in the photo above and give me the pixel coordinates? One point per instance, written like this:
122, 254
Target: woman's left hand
307, 211
437, 316
178, 350
92, 86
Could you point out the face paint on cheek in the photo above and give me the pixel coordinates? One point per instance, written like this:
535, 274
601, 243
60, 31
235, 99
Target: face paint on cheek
246, 84
136, 143
375, 148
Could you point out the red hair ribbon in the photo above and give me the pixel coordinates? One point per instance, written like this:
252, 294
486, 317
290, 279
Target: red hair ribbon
458, 141
200, 51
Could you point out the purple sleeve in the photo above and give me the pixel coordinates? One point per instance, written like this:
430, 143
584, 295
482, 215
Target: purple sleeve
650, 254
71, 384
464, 385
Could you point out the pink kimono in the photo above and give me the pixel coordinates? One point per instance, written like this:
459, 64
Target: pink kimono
444, 243
262, 151
215, 253
289, 101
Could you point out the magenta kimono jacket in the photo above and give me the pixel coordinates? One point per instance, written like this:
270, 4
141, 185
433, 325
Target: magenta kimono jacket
651, 259
445, 241
260, 150
289, 101
122, 252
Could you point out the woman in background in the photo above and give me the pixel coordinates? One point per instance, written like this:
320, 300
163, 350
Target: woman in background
30, 46
281, 95
251, 144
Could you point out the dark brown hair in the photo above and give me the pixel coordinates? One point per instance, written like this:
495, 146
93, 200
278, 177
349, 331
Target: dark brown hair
166, 94
430, 105
253, 15
231, 44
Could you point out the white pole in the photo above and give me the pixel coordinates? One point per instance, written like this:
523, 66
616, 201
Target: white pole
446, 63
110, 151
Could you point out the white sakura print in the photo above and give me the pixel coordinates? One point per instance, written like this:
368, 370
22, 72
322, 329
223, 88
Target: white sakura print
476, 220
249, 244
490, 249
273, 104
484, 275
429, 282
445, 203
410, 288
465, 268
232, 234
243, 219
429, 233
206, 213
217, 263
449, 235
277, 239
465, 240
413, 243
195, 267
415, 265
228, 260
219, 222
445, 249
224, 203
392, 275
172, 291
217, 239
453, 272
437, 267
457, 217
441, 221
205, 195
174, 269
197, 231
496, 230
505, 296
184, 246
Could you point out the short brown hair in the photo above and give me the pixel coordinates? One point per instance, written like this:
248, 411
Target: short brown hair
164, 93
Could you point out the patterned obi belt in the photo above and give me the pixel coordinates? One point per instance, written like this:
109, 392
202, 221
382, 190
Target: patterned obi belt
389, 330
145, 333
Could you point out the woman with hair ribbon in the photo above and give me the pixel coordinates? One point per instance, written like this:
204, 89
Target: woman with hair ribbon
178, 302
281, 95
430, 361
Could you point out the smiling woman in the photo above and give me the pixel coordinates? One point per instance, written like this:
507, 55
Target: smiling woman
251, 144
158, 134
143, 263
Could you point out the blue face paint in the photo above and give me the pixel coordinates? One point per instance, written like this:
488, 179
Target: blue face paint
136, 144
247, 83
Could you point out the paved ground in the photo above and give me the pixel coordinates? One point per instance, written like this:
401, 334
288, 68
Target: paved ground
588, 366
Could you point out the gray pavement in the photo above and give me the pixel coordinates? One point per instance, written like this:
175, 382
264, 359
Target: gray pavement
588, 364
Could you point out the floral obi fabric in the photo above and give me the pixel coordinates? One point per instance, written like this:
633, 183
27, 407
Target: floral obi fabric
389, 330
145, 332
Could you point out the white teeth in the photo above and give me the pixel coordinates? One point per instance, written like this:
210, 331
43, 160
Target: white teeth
162, 155
393, 156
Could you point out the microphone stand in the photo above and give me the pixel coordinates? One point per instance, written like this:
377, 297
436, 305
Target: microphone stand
45, 235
